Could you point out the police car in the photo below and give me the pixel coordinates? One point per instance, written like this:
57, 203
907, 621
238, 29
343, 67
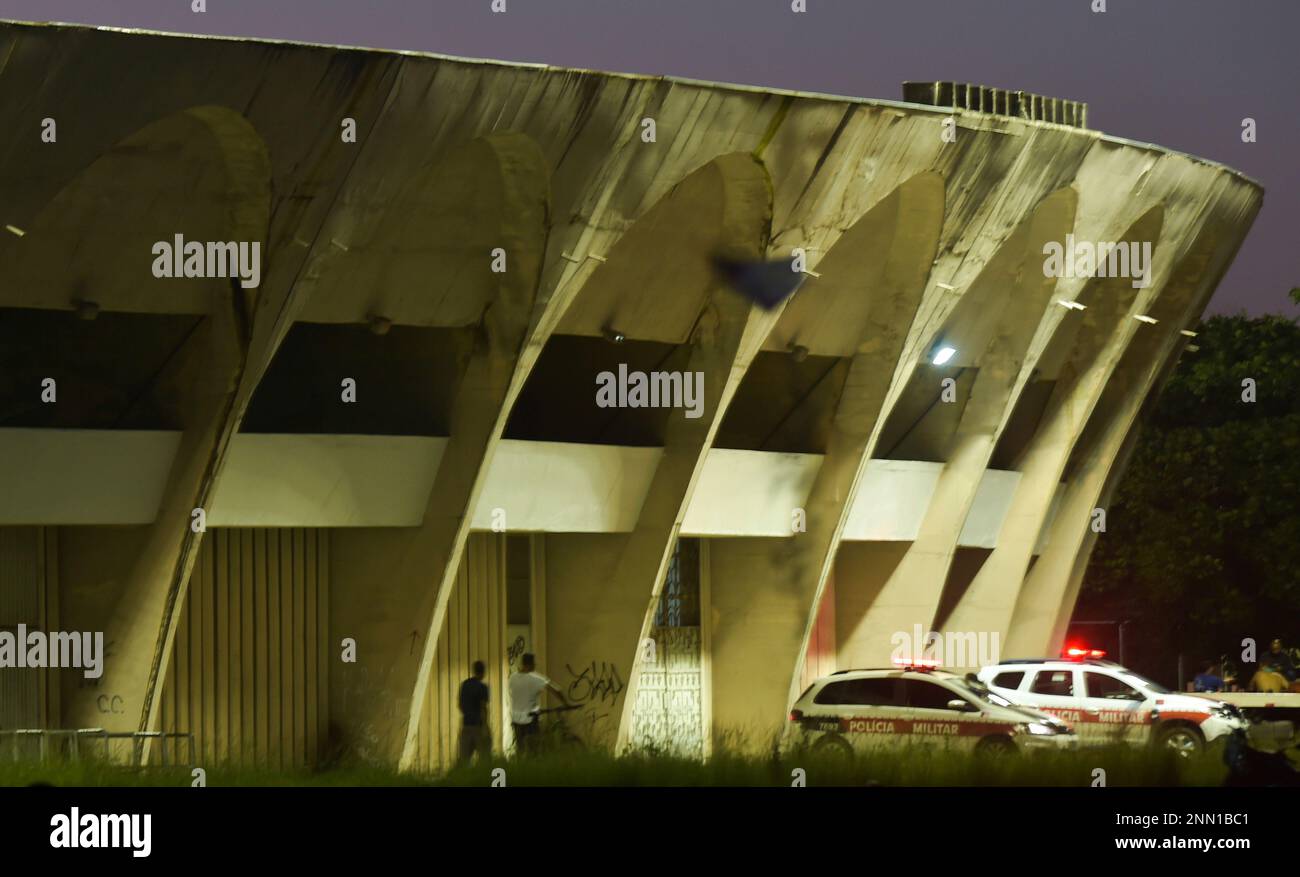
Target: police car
1108, 703
859, 710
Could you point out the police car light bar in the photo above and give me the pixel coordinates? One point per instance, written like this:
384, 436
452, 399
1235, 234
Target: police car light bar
1078, 654
924, 663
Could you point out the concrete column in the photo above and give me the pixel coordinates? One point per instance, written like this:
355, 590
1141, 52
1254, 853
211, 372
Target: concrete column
131, 616
1098, 343
204, 375
883, 296
722, 355
1046, 599
379, 709
1013, 291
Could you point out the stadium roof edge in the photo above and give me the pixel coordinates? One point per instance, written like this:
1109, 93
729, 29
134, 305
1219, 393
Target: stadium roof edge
681, 80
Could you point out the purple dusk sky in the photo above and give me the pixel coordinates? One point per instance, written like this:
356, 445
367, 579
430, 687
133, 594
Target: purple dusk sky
1179, 73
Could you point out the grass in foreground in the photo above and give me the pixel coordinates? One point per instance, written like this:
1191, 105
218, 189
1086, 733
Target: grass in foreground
1123, 767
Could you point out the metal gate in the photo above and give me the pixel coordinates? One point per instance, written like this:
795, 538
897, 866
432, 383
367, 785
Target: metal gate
669, 716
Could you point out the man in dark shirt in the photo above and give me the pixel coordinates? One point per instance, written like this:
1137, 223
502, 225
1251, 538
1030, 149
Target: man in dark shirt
474, 735
1278, 658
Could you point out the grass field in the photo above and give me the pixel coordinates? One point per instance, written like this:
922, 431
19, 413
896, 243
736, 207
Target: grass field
1122, 766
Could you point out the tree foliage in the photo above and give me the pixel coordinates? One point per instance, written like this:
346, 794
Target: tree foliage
1202, 547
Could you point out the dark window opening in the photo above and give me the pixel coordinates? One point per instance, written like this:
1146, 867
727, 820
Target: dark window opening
406, 381
559, 404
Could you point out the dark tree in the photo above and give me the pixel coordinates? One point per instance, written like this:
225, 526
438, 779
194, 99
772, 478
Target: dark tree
1202, 547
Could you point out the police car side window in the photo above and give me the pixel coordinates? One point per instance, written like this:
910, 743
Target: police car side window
1101, 685
1009, 680
1057, 682
927, 695
832, 693
858, 692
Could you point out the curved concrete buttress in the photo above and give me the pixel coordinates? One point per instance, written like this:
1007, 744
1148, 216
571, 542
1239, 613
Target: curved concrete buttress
658, 283
482, 399
859, 308
94, 239
111, 215
490, 192
1047, 597
991, 328
291, 165
1081, 355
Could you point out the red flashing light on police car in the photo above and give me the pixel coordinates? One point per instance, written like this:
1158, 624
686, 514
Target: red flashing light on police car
1077, 653
918, 663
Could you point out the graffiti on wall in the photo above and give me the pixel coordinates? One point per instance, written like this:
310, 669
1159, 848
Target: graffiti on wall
598, 682
518, 646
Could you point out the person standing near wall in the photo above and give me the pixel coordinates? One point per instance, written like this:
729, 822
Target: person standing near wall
473, 703
526, 687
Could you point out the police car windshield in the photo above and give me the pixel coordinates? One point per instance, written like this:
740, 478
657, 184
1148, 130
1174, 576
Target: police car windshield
980, 691
1141, 681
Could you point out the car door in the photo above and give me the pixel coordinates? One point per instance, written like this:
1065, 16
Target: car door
933, 724
1114, 707
867, 710
1056, 690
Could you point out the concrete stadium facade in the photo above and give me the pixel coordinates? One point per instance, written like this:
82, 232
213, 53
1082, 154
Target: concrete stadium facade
683, 577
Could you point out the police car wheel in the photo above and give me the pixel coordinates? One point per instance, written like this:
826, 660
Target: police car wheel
833, 747
995, 746
1184, 740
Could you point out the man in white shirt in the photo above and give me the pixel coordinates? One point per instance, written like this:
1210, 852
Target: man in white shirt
526, 687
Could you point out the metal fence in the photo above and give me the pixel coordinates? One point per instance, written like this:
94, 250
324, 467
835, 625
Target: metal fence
60, 744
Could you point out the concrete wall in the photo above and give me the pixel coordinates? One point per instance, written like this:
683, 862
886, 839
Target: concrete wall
591, 628
112, 477
757, 626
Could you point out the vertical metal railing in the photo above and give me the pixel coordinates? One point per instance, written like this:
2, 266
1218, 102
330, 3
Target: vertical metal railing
998, 101
49, 745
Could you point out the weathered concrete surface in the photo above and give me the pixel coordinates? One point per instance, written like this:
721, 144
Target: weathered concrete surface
454, 158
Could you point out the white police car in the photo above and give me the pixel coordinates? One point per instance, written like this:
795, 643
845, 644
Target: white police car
859, 710
1108, 703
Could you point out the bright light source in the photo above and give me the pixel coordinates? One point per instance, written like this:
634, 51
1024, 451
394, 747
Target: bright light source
943, 355
918, 663
1145, 319
1072, 305
15, 230
944, 285
1078, 653
1188, 332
